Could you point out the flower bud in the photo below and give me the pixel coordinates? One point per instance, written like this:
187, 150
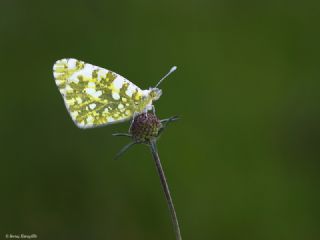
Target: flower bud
145, 127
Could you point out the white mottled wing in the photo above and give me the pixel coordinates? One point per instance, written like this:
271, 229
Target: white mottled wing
95, 96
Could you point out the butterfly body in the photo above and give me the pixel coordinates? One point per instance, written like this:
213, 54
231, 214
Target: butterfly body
95, 96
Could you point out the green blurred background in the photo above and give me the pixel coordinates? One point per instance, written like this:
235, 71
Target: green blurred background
243, 162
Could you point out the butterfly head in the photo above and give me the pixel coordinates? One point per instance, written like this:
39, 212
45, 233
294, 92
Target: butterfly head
155, 93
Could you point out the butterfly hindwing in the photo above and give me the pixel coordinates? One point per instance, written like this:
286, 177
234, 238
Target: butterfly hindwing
95, 96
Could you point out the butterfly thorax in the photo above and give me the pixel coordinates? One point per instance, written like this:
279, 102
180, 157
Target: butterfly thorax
147, 99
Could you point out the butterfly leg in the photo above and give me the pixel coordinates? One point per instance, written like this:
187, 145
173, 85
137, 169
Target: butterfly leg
153, 110
133, 117
145, 111
150, 107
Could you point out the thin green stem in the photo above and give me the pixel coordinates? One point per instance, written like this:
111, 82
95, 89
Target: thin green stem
124, 149
165, 123
165, 188
121, 135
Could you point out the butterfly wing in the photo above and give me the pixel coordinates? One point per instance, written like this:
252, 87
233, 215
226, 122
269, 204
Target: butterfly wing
95, 96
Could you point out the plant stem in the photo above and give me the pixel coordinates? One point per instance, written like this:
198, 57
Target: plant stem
165, 188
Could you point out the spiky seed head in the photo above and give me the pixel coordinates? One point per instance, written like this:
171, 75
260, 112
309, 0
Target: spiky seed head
145, 127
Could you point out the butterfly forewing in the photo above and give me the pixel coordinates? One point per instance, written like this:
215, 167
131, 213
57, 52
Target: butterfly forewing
95, 96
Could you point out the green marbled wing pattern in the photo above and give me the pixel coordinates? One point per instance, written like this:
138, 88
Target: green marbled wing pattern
96, 96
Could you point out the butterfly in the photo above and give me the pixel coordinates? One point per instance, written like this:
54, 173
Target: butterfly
95, 96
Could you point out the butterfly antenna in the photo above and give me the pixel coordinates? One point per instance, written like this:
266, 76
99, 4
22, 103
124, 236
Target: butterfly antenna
171, 71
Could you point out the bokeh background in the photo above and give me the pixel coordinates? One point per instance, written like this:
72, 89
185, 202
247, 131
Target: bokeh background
243, 162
